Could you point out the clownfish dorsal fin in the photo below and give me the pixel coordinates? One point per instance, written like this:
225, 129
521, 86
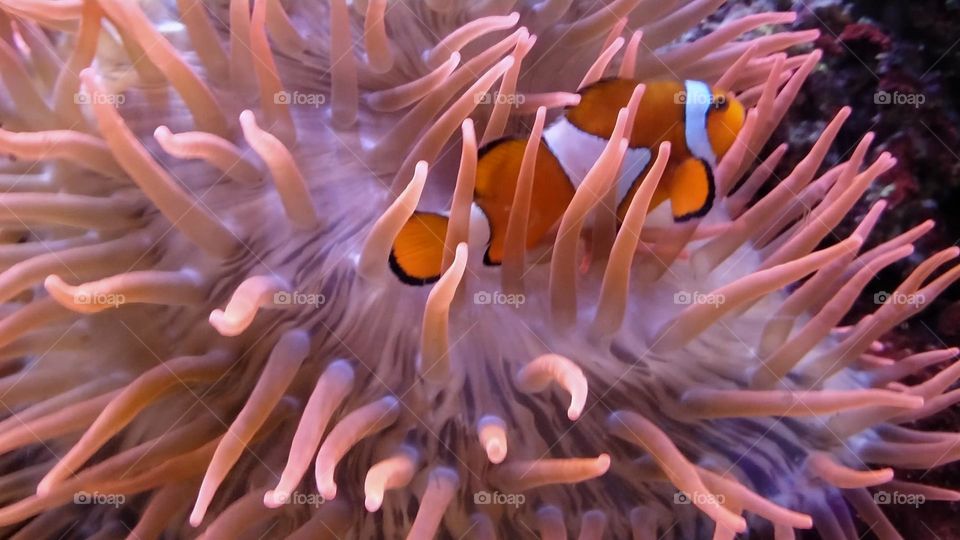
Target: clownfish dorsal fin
659, 116
691, 189
417, 254
600, 102
498, 169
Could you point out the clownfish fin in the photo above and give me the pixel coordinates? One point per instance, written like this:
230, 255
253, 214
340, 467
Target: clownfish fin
498, 169
692, 189
660, 195
417, 254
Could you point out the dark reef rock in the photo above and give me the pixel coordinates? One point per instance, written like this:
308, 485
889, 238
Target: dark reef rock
897, 63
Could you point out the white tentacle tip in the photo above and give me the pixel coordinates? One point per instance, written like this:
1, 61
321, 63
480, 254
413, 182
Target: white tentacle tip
275, 499
373, 502
445, 475
44, 488
603, 462
225, 324
162, 133
89, 78
578, 400
53, 281
421, 169
915, 402
391, 402
886, 474
492, 431
247, 117
341, 368
573, 413
496, 452
328, 489
298, 341
615, 420
196, 518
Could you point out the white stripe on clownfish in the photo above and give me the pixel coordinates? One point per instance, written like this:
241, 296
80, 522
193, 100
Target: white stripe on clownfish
699, 99
577, 151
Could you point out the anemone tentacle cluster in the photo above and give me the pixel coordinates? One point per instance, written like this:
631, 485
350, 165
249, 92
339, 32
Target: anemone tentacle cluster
201, 335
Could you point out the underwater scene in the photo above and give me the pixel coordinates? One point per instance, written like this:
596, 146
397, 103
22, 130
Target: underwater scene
479, 269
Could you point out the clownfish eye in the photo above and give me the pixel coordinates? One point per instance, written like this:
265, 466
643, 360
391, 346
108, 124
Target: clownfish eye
720, 103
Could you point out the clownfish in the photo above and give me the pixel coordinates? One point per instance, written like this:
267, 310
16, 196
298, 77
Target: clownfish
700, 123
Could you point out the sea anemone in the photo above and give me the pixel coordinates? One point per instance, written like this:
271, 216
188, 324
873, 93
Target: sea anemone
201, 334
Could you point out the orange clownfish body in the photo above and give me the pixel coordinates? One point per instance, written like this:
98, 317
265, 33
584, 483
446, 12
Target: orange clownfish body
700, 125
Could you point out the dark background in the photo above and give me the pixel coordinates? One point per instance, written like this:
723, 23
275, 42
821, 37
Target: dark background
910, 47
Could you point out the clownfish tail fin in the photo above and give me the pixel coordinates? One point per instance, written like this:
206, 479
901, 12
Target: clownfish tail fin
416, 257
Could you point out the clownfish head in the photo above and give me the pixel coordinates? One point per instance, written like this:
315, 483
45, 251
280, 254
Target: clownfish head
724, 121
712, 120
696, 119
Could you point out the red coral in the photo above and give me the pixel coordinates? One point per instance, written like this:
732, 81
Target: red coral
830, 45
901, 183
865, 33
